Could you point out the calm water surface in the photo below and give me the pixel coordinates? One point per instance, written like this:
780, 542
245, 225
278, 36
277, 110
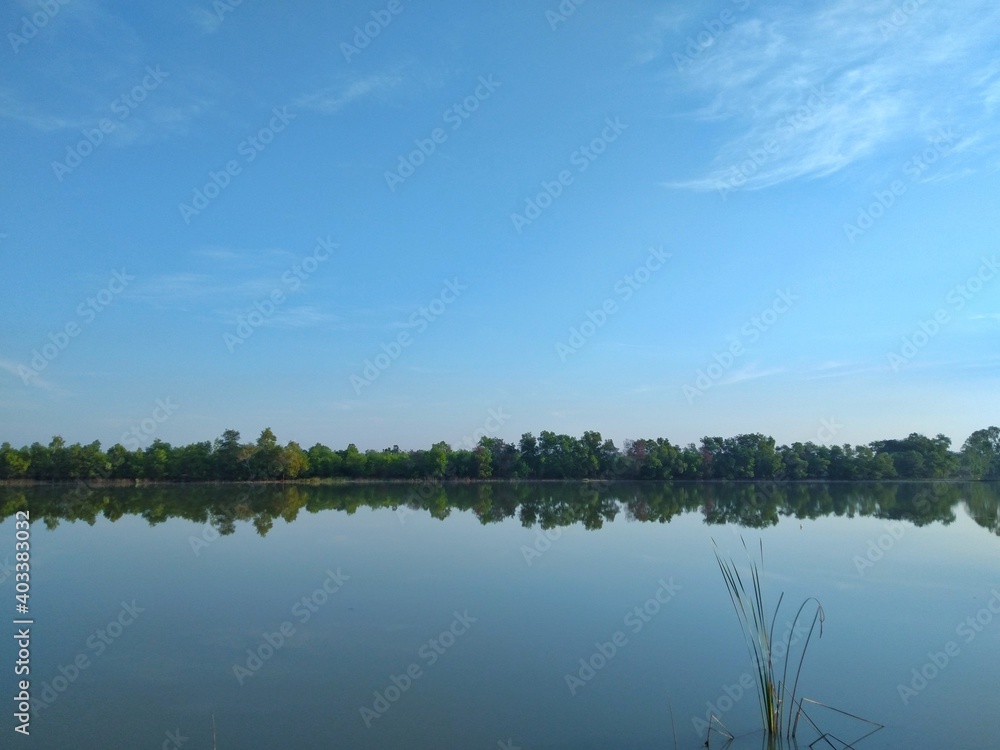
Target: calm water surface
497, 616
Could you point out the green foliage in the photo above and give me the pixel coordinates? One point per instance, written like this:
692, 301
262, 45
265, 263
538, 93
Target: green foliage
777, 702
981, 454
751, 457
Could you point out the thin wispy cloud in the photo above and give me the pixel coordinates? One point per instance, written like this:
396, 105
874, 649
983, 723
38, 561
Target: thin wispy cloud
332, 99
34, 380
208, 21
750, 372
25, 113
806, 92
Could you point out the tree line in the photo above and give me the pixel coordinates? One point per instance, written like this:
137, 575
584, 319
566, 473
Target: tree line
548, 456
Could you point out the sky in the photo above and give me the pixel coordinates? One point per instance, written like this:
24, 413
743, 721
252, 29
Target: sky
395, 223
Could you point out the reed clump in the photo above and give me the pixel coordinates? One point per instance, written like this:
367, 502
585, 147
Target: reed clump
778, 704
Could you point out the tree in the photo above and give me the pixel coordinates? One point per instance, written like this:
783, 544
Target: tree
528, 448
194, 462
793, 460
981, 454
265, 459
353, 462
13, 463
59, 457
484, 462
323, 462
228, 455
920, 457
156, 460
293, 461
436, 460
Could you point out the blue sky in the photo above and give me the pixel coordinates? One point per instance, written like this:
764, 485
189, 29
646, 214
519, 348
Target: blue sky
398, 223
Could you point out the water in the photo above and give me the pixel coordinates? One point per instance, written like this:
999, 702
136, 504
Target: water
424, 617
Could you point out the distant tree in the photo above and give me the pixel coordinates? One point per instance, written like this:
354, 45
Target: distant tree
794, 464
981, 454
13, 463
484, 462
194, 462
528, 447
920, 457
293, 461
324, 462
265, 458
436, 460
353, 462
228, 454
157, 460
59, 457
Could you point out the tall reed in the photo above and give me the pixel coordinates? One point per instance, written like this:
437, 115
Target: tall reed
777, 704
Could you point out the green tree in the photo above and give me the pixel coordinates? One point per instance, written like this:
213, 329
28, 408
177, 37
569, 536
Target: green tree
293, 461
353, 462
981, 454
436, 460
324, 462
59, 453
265, 459
13, 463
156, 460
228, 454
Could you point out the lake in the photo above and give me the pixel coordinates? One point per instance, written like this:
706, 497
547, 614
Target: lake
485, 616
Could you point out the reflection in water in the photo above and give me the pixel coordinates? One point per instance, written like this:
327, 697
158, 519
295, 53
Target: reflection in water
547, 505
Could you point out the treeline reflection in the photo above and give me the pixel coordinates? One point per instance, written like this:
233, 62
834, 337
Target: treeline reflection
548, 505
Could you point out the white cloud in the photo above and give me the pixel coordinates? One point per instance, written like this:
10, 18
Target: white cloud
806, 92
34, 380
334, 98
